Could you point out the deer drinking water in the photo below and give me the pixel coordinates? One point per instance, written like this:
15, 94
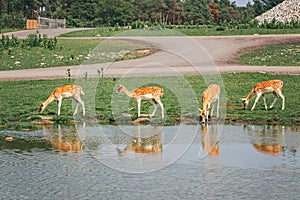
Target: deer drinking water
65, 92
210, 96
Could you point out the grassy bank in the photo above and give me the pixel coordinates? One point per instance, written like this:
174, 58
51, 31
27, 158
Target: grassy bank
282, 55
71, 53
67, 52
20, 100
180, 30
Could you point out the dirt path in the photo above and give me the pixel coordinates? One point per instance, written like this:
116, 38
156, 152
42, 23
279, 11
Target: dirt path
179, 56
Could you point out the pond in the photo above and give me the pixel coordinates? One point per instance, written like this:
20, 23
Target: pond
151, 162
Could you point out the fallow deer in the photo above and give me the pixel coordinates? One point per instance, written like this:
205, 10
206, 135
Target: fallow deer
210, 96
262, 88
65, 92
146, 94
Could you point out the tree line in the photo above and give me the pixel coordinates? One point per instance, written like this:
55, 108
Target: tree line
97, 13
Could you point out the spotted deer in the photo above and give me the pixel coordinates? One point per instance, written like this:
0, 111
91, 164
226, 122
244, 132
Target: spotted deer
210, 97
65, 92
263, 88
145, 94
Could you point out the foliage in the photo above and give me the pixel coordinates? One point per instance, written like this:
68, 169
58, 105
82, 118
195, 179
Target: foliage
36, 40
98, 13
12, 21
32, 40
261, 6
18, 106
7, 42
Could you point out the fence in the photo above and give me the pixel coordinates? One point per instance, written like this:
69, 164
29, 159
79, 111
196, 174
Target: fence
45, 23
51, 23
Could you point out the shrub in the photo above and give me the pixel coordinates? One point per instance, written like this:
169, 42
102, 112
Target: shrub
6, 42
36, 40
12, 21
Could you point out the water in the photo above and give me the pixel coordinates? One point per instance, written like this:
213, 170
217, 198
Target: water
134, 162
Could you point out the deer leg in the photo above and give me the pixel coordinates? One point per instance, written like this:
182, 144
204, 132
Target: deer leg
218, 106
59, 102
162, 109
282, 97
275, 99
76, 108
265, 102
139, 107
83, 108
207, 113
255, 102
79, 101
155, 108
212, 109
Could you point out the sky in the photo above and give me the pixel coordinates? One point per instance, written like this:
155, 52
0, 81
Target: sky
242, 2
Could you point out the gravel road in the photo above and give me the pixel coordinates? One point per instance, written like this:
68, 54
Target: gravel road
179, 56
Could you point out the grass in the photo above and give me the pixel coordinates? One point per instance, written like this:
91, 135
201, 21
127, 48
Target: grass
282, 55
228, 32
177, 31
20, 100
69, 53
6, 30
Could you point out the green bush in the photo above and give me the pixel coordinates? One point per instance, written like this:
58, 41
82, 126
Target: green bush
12, 21
36, 40
6, 42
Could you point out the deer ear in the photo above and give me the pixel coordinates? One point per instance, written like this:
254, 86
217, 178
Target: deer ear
200, 110
243, 99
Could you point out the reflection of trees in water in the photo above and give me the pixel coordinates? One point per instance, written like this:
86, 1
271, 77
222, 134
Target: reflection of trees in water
210, 142
266, 139
140, 144
63, 138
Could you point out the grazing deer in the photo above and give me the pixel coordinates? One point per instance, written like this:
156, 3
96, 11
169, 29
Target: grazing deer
65, 92
147, 93
262, 88
210, 96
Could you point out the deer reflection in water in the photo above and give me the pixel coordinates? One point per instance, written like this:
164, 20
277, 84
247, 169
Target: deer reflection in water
266, 139
144, 143
210, 139
63, 138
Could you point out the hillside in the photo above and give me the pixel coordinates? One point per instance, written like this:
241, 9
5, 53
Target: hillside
284, 12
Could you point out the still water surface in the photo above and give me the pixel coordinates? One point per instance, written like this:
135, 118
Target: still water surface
134, 162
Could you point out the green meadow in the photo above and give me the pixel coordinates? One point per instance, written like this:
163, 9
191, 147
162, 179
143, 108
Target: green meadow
69, 52
281, 55
20, 100
178, 30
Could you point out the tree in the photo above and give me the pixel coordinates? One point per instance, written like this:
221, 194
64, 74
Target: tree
196, 11
261, 6
214, 12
